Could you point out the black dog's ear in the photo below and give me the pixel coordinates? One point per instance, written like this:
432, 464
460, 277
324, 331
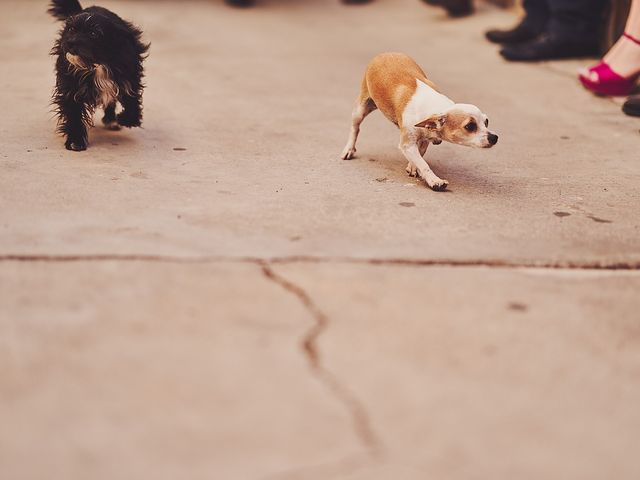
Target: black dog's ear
434, 122
62, 9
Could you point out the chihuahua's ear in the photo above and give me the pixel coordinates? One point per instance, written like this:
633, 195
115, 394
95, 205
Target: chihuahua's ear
434, 122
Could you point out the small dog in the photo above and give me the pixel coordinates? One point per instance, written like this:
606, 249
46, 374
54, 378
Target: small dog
99, 63
395, 84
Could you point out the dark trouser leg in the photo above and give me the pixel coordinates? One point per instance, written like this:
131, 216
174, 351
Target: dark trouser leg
530, 27
537, 14
577, 19
571, 32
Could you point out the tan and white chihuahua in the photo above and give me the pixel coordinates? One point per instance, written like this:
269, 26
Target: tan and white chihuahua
395, 84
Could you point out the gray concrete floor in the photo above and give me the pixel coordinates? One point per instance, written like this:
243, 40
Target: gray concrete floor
217, 295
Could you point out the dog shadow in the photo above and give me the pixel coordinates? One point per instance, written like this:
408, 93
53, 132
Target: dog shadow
100, 137
133, 138
462, 177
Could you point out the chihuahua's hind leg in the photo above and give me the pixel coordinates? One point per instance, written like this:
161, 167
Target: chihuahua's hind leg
364, 106
109, 119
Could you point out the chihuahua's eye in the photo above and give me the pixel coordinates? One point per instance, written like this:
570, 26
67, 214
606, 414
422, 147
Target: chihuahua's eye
94, 34
486, 122
471, 127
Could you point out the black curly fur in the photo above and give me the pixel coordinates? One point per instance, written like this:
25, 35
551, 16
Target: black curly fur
97, 37
61, 9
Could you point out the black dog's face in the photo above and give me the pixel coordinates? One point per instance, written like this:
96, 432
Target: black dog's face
85, 40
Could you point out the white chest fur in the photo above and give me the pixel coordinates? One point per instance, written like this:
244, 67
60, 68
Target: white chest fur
424, 103
107, 89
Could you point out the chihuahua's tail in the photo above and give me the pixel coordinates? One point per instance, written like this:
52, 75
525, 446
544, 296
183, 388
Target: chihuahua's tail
61, 9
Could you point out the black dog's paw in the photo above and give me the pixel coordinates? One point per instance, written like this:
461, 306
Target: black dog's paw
128, 121
110, 122
111, 125
76, 145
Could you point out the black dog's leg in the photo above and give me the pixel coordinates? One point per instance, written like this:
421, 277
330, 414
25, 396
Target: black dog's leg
131, 115
109, 119
73, 124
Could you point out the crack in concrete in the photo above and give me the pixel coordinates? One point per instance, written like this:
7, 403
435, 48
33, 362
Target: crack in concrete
309, 344
630, 265
497, 263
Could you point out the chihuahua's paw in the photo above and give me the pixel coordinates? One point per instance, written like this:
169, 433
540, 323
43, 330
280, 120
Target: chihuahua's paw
412, 170
439, 185
348, 153
76, 145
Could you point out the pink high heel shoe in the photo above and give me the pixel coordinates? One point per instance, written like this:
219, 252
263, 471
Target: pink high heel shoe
602, 80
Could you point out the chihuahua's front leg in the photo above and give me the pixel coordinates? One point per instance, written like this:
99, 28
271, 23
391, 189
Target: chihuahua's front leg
411, 150
411, 169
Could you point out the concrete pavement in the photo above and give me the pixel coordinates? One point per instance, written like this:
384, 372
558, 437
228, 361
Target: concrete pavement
217, 295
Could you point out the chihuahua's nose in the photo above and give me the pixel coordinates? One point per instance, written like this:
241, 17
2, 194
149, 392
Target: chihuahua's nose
493, 139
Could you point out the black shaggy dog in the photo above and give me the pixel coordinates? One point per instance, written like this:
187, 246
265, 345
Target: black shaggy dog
99, 63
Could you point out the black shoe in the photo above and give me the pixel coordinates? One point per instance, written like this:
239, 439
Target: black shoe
240, 3
549, 47
521, 33
455, 8
632, 106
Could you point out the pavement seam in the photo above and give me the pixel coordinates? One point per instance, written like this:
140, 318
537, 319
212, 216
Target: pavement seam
633, 265
309, 344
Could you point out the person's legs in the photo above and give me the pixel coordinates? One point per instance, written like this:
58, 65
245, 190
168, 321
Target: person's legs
624, 56
618, 71
533, 24
577, 20
572, 31
537, 14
